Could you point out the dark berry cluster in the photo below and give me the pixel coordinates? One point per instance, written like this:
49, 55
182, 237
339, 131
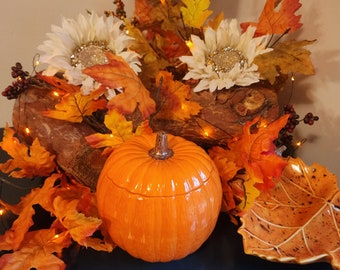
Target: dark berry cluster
285, 137
120, 10
294, 118
20, 84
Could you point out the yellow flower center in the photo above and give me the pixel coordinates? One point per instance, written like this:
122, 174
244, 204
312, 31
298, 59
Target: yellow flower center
90, 54
224, 60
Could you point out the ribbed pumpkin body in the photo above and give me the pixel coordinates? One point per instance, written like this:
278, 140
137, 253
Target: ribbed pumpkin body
159, 210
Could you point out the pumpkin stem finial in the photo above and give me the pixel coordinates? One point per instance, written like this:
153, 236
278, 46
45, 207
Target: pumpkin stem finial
161, 150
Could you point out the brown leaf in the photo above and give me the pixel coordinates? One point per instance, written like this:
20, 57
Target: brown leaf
175, 99
298, 220
287, 57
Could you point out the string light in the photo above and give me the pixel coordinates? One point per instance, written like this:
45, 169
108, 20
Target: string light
189, 44
27, 131
301, 142
36, 61
55, 94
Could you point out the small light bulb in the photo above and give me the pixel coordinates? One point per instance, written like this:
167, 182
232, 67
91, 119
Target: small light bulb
55, 93
27, 131
189, 44
2, 211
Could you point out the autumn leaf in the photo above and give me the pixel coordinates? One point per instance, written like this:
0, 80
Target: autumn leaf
152, 62
277, 22
38, 251
195, 12
59, 84
287, 57
173, 45
12, 239
249, 164
79, 226
227, 169
166, 14
215, 22
116, 74
26, 161
297, 221
175, 101
121, 131
73, 107
255, 151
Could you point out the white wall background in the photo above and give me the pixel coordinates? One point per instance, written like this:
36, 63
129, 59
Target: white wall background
23, 25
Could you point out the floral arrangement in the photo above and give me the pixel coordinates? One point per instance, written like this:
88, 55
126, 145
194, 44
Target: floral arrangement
122, 77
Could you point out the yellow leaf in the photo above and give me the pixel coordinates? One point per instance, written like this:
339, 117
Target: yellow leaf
121, 131
195, 12
287, 57
74, 106
26, 161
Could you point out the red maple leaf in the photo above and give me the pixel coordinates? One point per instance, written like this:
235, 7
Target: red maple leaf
277, 22
255, 152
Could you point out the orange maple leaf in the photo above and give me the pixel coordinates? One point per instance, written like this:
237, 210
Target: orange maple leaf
12, 239
118, 74
74, 106
174, 46
59, 83
255, 152
38, 251
26, 161
277, 22
227, 169
175, 102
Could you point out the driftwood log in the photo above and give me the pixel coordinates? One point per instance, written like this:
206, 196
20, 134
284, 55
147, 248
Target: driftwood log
221, 118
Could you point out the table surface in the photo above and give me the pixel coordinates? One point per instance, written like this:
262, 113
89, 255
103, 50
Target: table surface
222, 250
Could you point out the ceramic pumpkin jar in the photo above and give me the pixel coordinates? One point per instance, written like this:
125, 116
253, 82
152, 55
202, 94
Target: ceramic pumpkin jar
159, 196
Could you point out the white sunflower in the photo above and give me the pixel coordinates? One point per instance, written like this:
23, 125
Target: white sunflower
225, 57
82, 43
